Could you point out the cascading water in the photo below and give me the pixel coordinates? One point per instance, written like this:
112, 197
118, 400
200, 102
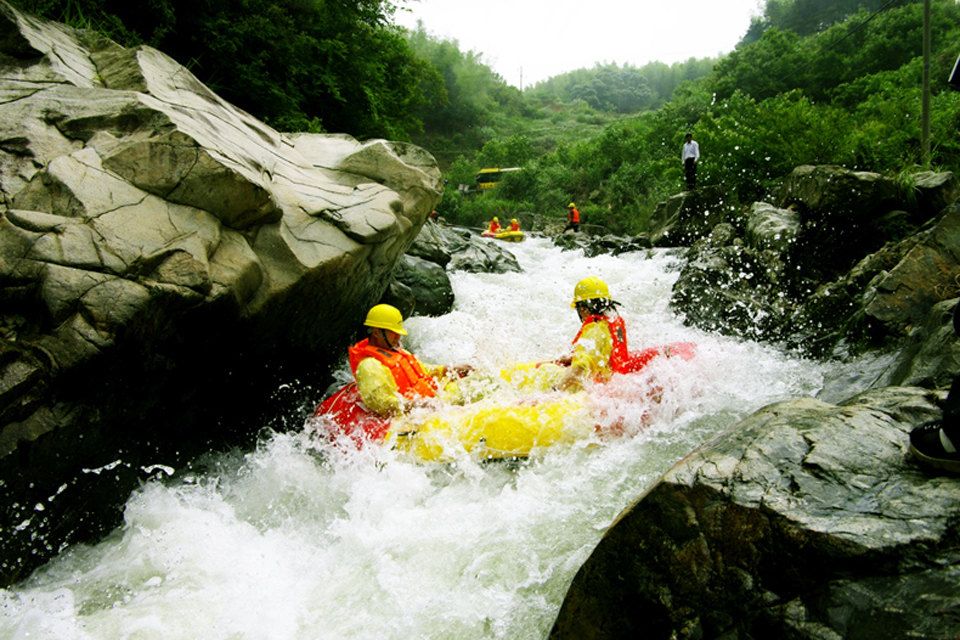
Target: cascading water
295, 540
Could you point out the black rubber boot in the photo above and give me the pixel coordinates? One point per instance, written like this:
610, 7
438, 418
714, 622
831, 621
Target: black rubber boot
933, 446
937, 444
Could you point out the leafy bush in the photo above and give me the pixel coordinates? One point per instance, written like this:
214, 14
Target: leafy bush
475, 211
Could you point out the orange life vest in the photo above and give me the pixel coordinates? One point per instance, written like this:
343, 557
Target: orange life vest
494, 227
407, 371
514, 226
621, 360
624, 361
574, 215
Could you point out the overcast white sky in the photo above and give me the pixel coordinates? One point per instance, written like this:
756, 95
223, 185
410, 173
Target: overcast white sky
547, 37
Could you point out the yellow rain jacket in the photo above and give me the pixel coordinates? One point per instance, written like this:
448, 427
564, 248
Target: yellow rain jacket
379, 390
591, 351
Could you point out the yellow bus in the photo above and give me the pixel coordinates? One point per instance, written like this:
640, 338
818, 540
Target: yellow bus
488, 177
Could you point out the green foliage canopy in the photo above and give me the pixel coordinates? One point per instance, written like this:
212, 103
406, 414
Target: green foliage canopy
806, 17
848, 94
621, 89
332, 65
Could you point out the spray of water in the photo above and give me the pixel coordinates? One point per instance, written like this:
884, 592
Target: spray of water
298, 539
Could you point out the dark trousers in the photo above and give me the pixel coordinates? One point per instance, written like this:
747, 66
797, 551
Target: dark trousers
690, 171
572, 225
951, 407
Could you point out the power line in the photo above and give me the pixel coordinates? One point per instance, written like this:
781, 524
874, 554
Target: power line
816, 20
860, 27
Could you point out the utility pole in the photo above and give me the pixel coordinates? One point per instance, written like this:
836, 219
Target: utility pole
925, 109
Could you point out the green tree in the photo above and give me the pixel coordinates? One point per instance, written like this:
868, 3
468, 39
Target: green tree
298, 64
772, 65
469, 101
513, 151
621, 89
806, 17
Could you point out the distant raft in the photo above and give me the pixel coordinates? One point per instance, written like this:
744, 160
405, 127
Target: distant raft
506, 236
510, 236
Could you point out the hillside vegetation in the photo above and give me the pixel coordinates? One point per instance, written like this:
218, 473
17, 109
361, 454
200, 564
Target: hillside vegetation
620, 89
813, 81
849, 94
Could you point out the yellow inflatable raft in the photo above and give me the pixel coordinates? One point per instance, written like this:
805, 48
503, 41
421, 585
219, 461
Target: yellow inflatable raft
493, 431
510, 236
486, 425
506, 425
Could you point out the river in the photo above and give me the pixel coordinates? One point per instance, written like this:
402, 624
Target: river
295, 541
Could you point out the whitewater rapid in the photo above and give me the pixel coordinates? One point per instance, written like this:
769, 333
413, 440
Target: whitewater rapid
295, 541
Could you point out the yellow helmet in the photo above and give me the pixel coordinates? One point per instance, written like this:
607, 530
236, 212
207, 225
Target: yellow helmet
514, 221
496, 219
571, 206
590, 288
385, 316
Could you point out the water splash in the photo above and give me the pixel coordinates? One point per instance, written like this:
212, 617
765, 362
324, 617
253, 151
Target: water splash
294, 540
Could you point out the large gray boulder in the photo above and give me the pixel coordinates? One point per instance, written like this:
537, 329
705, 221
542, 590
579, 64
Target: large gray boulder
688, 216
159, 250
889, 295
836, 191
833, 314
931, 355
459, 249
929, 273
934, 190
483, 256
769, 227
806, 520
843, 216
595, 245
727, 286
428, 283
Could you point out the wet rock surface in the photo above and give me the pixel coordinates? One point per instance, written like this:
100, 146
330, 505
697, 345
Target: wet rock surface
459, 249
807, 520
165, 260
843, 258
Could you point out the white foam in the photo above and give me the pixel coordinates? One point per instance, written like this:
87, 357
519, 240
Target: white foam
295, 541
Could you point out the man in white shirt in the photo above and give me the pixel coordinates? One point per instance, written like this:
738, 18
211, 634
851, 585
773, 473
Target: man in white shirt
690, 156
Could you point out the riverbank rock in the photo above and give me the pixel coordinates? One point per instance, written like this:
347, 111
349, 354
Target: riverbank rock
843, 215
420, 284
428, 283
935, 190
460, 249
929, 272
833, 315
806, 520
609, 244
728, 286
931, 356
688, 216
841, 261
164, 256
771, 228
889, 293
